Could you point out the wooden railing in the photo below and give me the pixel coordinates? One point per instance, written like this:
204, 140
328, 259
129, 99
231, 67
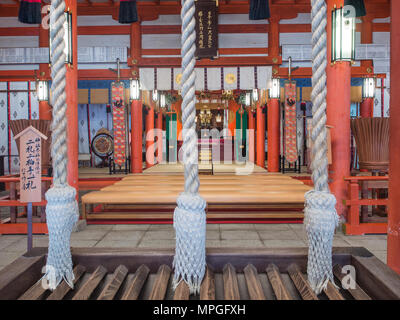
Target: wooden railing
16, 223
357, 223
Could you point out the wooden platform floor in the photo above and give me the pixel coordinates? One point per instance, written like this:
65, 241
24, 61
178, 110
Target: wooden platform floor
232, 274
145, 196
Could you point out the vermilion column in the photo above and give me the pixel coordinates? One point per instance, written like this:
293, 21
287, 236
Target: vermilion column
273, 135
72, 101
252, 130
45, 112
150, 138
393, 247
260, 141
136, 136
367, 108
159, 126
338, 116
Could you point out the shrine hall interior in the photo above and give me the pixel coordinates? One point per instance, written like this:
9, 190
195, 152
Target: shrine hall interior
253, 93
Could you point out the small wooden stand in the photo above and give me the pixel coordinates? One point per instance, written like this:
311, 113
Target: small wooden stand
30, 145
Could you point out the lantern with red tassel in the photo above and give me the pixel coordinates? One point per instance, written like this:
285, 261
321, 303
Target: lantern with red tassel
127, 11
29, 12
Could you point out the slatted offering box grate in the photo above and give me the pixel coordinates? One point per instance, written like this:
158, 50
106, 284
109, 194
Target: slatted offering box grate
257, 274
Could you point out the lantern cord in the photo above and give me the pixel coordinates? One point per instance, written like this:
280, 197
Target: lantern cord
320, 214
62, 208
189, 216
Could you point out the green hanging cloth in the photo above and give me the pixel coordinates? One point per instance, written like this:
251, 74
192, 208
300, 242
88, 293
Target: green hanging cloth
241, 123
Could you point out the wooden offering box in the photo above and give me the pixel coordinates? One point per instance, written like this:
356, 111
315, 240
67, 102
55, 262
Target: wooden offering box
257, 274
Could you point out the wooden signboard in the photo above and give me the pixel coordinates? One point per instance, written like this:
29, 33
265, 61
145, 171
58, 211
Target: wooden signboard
30, 164
206, 17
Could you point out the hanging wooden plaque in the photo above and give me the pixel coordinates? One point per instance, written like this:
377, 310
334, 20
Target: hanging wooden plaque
206, 16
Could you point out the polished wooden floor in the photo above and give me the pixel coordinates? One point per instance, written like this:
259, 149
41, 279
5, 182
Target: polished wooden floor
228, 196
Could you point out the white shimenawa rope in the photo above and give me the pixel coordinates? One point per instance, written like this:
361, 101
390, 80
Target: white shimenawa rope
320, 213
62, 208
189, 215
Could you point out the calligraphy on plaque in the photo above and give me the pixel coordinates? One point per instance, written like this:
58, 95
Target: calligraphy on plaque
206, 16
30, 144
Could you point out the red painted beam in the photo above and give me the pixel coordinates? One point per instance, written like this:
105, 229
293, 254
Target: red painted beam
222, 51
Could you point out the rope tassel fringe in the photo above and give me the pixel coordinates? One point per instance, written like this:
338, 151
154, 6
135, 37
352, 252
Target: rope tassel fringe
320, 220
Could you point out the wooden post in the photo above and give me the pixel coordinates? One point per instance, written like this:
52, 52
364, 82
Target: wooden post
136, 136
45, 112
252, 126
260, 141
72, 101
338, 117
273, 135
159, 126
393, 247
136, 106
273, 37
150, 138
367, 108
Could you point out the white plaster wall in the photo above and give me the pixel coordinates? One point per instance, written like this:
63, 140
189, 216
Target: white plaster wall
19, 42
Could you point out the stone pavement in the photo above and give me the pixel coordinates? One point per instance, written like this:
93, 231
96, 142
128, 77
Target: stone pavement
162, 236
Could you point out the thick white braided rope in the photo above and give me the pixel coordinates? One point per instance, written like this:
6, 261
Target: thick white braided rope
189, 215
62, 207
320, 213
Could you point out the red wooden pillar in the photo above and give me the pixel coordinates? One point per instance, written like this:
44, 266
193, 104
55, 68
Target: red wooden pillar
159, 127
273, 37
72, 100
338, 116
136, 136
393, 253
260, 141
366, 29
252, 130
45, 112
136, 106
150, 138
273, 135
367, 108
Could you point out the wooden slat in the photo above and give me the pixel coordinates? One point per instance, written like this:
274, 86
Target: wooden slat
113, 286
357, 293
182, 291
253, 283
207, 289
36, 292
274, 277
301, 283
332, 292
91, 284
231, 288
135, 287
161, 283
64, 288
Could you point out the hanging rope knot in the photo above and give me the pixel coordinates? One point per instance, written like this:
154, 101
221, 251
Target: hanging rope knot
61, 215
190, 228
320, 220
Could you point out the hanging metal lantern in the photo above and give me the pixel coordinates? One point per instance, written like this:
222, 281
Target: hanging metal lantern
67, 38
134, 89
368, 90
42, 90
343, 35
275, 90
